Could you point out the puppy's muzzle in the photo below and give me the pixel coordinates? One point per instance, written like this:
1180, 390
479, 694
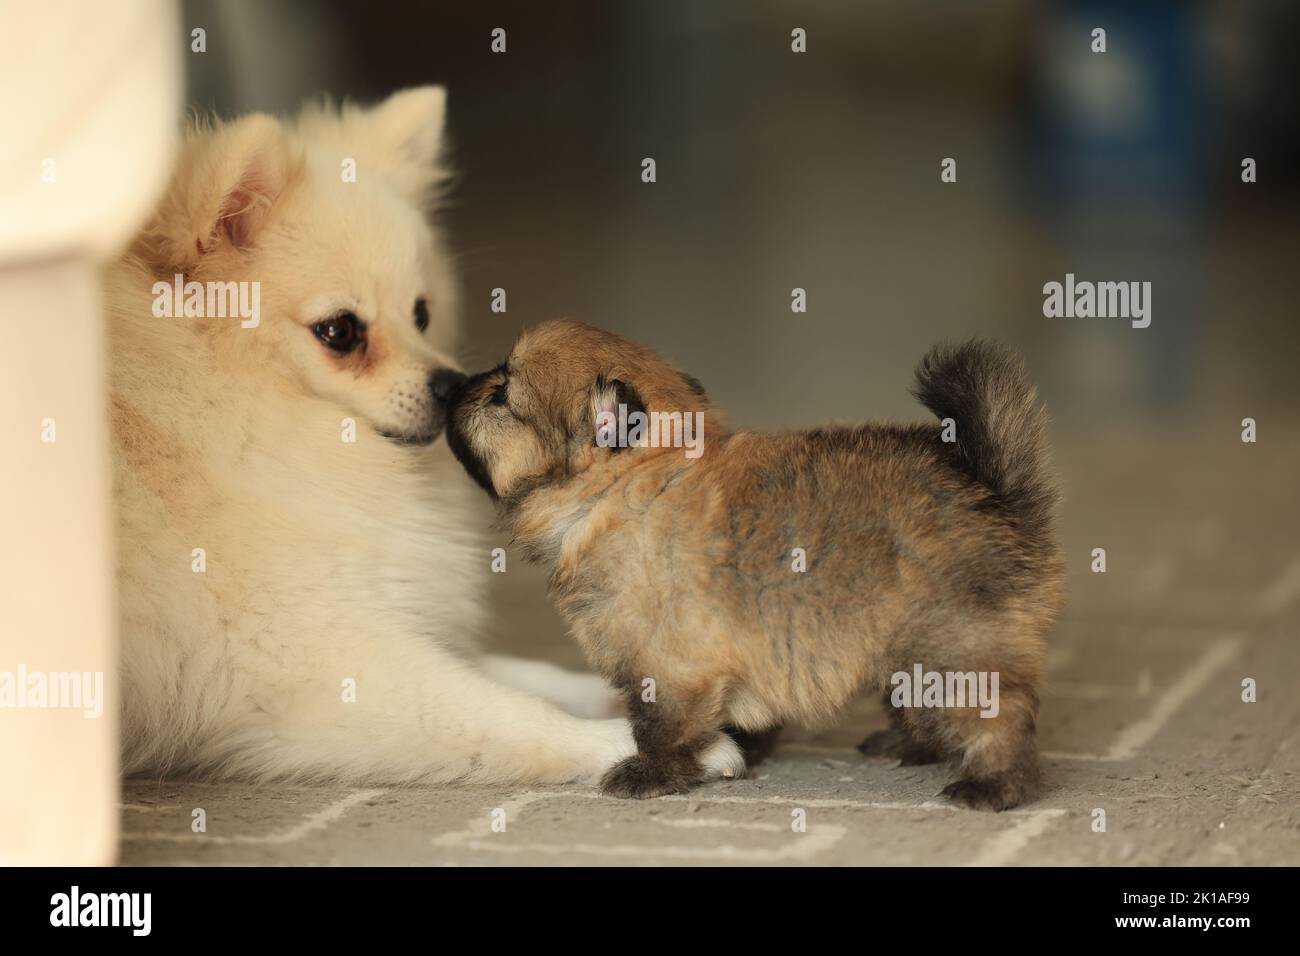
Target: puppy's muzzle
460, 405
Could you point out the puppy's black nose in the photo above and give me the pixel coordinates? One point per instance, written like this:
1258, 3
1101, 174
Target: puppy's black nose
443, 382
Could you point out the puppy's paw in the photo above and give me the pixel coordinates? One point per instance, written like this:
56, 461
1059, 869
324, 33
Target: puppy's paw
994, 795
900, 745
640, 776
918, 755
722, 758
884, 743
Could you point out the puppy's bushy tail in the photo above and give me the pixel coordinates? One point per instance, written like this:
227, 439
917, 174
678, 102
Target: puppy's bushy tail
1001, 428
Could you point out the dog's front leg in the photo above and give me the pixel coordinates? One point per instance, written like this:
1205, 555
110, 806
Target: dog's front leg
586, 695
394, 711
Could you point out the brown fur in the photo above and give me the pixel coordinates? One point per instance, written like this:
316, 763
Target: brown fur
680, 570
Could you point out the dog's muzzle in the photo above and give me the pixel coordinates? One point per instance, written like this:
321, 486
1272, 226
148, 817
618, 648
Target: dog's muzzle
443, 384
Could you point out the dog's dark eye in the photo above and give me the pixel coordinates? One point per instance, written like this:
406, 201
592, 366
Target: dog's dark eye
341, 332
499, 394
421, 314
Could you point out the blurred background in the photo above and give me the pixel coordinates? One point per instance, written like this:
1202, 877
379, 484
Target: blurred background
821, 171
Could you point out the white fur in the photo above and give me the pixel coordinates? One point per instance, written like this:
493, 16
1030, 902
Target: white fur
585, 695
723, 758
327, 562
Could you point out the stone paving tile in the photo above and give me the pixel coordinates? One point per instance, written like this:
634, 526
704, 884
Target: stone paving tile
1142, 718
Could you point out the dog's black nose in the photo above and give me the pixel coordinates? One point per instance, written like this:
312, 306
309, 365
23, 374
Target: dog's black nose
445, 381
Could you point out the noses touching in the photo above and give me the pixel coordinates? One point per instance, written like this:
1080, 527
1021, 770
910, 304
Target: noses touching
443, 384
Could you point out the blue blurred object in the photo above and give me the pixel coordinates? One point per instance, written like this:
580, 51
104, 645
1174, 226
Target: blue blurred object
1121, 161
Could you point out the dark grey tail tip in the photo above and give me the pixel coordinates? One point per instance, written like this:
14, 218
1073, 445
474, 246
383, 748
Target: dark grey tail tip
973, 360
1001, 440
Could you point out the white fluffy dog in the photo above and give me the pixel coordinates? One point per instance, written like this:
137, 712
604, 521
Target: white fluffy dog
300, 577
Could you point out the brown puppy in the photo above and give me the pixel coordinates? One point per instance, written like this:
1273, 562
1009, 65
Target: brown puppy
765, 579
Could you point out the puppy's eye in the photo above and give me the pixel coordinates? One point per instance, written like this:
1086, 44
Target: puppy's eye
499, 394
341, 332
421, 314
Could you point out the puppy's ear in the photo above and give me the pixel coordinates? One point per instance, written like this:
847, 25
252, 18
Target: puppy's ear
606, 397
404, 138
695, 385
227, 182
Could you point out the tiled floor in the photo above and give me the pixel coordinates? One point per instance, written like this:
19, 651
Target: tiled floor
1142, 719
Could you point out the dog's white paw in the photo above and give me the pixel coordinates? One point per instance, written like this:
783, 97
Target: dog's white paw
613, 744
723, 758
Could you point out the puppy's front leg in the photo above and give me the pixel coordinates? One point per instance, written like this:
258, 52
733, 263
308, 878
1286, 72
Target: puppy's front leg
679, 742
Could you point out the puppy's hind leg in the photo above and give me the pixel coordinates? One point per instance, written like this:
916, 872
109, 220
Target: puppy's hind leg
999, 767
900, 741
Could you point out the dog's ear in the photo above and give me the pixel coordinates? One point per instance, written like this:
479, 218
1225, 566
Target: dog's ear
228, 180
404, 138
607, 394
